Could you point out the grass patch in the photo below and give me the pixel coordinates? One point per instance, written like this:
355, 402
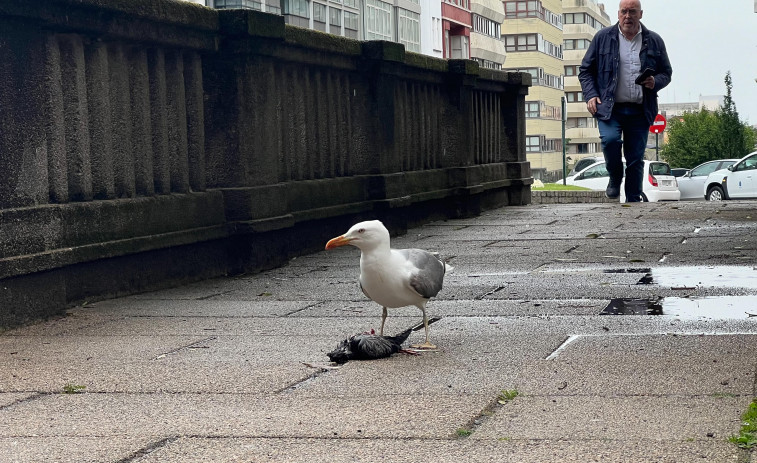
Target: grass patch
747, 437
560, 187
462, 432
73, 389
506, 396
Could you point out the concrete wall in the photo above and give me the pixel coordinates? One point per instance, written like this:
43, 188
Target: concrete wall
146, 143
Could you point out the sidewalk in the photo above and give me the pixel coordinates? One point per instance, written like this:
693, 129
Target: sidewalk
234, 369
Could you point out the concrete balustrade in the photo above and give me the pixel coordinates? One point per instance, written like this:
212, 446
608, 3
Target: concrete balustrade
146, 143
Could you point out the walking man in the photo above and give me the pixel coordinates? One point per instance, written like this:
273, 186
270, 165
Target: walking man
621, 73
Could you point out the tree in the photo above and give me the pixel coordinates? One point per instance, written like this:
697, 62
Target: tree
731, 128
692, 139
703, 136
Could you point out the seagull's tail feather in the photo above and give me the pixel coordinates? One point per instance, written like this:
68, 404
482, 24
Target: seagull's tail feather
447, 268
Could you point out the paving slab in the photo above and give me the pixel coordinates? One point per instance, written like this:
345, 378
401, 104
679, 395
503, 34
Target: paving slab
238, 415
616, 417
69, 449
442, 451
600, 365
10, 398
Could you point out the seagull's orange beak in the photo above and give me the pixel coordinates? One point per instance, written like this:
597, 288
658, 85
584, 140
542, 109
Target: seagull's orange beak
338, 241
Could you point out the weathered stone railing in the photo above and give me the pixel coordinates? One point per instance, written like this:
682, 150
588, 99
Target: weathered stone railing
149, 142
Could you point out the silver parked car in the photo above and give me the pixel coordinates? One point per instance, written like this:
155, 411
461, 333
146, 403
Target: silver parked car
691, 184
738, 181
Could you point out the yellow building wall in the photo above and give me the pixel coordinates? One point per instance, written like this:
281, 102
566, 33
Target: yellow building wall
550, 129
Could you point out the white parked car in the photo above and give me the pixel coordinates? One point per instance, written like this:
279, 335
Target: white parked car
659, 183
692, 182
738, 181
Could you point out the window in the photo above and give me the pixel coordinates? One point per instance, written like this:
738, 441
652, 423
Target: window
408, 29
351, 21
582, 18
461, 3
319, 12
533, 144
532, 9
273, 7
488, 64
521, 42
523, 9
531, 42
571, 70
459, 47
296, 7
749, 163
335, 16
574, 97
437, 28
539, 77
378, 20
581, 123
485, 26
576, 44
532, 109
351, 3
598, 171
245, 4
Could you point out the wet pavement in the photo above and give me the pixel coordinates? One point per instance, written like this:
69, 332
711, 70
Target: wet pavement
629, 334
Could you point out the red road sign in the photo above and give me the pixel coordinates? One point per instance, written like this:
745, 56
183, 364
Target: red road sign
659, 124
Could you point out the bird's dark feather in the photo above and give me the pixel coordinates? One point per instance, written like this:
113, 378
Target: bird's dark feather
368, 347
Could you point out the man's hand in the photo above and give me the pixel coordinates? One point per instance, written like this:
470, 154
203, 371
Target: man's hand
591, 105
649, 82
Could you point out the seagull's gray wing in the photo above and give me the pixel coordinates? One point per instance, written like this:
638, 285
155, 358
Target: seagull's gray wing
428, 280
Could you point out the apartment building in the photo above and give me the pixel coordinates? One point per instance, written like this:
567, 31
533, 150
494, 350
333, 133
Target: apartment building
486, 45
533, 35
581, 20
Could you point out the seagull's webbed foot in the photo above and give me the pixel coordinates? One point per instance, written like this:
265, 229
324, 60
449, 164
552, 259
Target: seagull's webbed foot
425, 346
409, 352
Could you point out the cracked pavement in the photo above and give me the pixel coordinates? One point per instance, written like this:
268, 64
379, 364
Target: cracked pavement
234, 369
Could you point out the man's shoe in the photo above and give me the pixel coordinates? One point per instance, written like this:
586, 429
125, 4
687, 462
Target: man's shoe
612, 192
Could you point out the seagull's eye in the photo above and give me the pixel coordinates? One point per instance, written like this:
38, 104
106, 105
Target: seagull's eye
362, 230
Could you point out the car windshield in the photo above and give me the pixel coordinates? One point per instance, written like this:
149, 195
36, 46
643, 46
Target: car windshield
705, 169
600, 170
659, 168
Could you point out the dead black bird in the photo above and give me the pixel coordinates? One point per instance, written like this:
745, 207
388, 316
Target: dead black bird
368, 346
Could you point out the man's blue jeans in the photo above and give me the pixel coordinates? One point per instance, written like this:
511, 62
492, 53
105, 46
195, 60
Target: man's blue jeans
625, 133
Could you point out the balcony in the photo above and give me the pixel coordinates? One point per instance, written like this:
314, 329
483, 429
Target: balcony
486, 47
578, 31
582, 135
489, 9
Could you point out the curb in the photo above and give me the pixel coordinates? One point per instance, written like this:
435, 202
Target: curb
568, 197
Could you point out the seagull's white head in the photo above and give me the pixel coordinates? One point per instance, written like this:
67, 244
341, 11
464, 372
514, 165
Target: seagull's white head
364, 235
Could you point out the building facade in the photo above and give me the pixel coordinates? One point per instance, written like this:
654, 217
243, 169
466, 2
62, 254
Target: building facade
486, 45
582, 19
533, 34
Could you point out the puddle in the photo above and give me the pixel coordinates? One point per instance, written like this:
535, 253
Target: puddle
633, 307
707, 277
703, 308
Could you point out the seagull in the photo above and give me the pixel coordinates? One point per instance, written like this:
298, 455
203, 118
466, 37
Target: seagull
393, 277
368, 346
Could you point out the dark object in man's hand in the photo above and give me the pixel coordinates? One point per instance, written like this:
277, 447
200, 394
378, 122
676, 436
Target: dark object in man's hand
643, 76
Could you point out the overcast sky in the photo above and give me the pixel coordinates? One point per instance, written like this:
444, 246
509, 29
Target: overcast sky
705, 39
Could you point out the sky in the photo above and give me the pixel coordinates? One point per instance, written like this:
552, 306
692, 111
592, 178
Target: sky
705, 39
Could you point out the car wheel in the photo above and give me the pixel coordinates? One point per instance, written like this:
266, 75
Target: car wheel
644, 198
715, 194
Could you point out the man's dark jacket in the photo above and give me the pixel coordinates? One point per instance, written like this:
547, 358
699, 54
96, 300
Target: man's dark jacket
598, 73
